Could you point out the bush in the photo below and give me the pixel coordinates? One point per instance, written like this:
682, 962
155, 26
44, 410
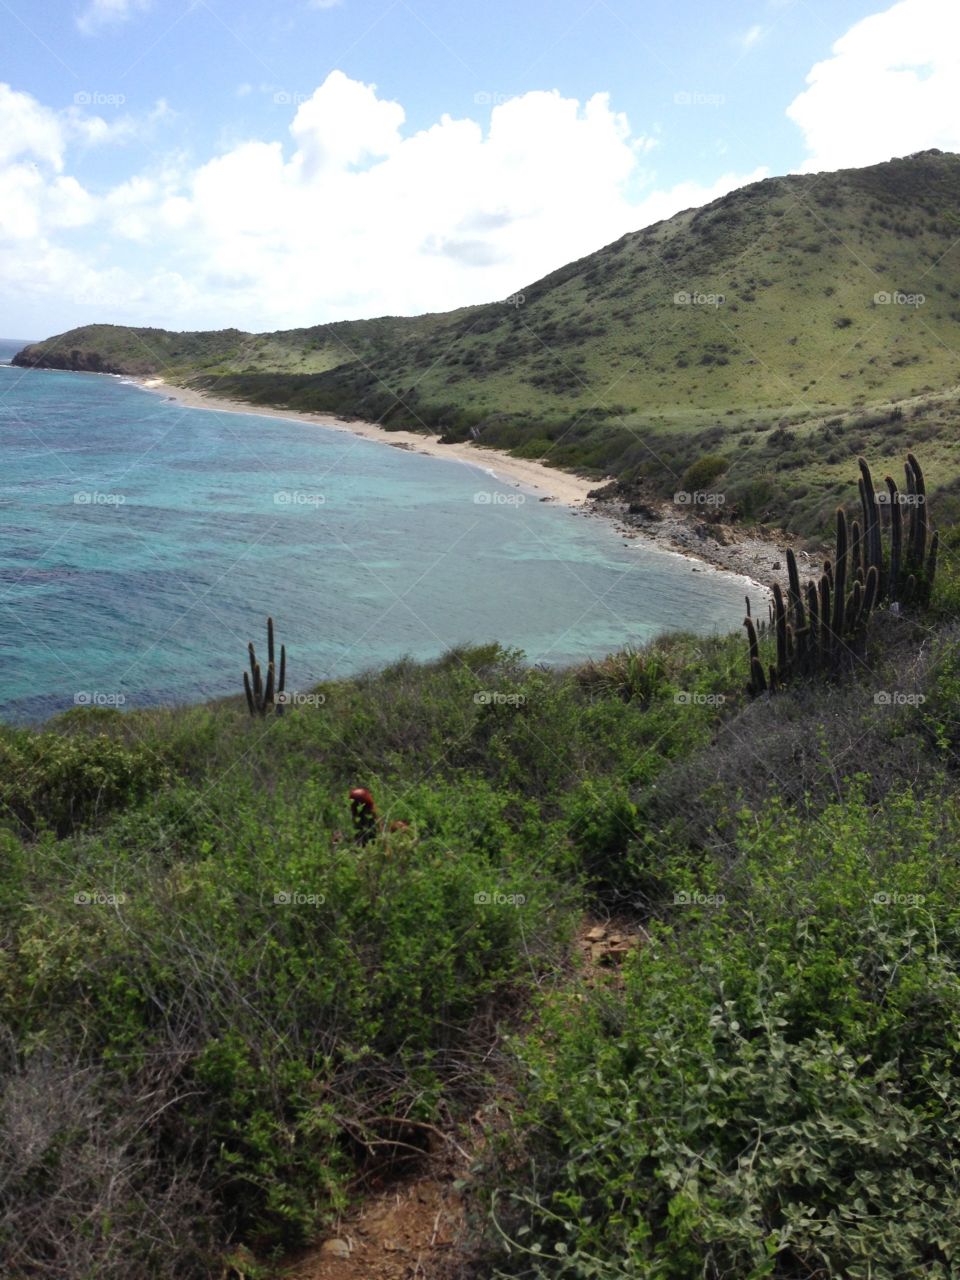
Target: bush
757, 499
701, 474
777, 1094
82, 1192
290, 1024
247, 1058
602, 827
63, 783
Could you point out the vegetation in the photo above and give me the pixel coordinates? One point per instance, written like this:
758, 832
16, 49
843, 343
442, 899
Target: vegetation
782, 327
263, 698
825, 626
774, 1092
244, 1015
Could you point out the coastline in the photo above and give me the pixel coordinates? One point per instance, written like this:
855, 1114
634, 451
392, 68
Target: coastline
547, 482
755, 558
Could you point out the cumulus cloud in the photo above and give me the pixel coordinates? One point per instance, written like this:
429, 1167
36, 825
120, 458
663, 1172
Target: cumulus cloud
103, 13
890, 87
28, 129
362, 220
348, 215
343, 124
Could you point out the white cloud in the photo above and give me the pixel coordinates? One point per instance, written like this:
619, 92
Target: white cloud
95, 131
325, 4
102, 13
28, 129
349, 216
891, 87
343, 124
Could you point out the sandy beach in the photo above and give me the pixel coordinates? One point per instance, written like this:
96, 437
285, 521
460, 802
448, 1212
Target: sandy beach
546, 482
756, 559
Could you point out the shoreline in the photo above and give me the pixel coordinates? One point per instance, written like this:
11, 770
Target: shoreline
548, 483
753, 558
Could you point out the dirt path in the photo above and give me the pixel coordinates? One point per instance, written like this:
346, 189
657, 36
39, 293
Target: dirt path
416, 1229
406, 1233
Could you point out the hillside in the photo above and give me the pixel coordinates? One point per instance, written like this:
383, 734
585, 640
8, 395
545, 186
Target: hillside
597, 368
112, 348
228, 1017
797, 260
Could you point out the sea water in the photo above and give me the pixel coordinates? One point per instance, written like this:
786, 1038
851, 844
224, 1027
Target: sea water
143, 544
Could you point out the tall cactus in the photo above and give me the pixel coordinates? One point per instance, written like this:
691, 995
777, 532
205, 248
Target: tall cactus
825, 626
758, 681
918, 514
896, 538
931, 566
826, 635
793, 575
856, 551
871, 517
839, 583
813, 608
263, 698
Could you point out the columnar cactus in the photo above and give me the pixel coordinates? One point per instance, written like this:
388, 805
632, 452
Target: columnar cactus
263, 698
825, 627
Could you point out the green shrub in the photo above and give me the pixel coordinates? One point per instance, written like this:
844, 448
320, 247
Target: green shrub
940, 713
286, 1025
602, 828
777, 1092
701, 474
62, 783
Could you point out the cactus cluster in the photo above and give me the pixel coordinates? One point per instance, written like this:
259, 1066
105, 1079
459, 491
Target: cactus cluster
264, 697
823, 627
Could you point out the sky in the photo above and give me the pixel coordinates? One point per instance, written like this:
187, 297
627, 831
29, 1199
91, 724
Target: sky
199, 164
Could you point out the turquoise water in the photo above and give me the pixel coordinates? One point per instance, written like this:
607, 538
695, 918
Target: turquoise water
143, 545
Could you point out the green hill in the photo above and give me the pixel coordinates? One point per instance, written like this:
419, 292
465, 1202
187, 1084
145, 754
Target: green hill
785, 326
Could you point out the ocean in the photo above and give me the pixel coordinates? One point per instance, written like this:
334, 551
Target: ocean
142, 545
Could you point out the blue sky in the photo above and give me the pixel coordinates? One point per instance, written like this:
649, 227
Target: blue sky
193, 163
